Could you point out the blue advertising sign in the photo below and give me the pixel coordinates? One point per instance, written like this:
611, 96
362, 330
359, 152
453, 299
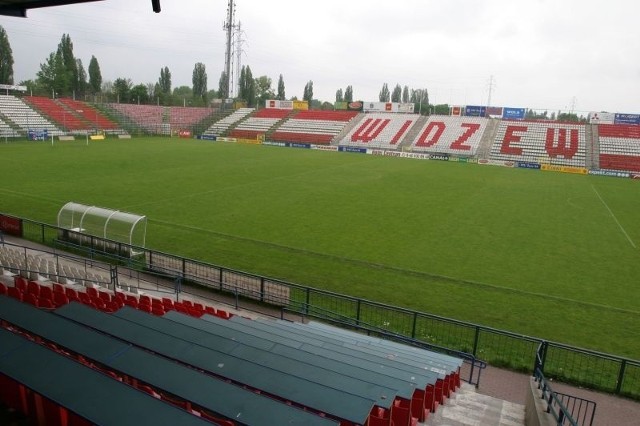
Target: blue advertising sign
527, 165
627, 119
352, 149
513, 113
299, 145
475, 111
37, 134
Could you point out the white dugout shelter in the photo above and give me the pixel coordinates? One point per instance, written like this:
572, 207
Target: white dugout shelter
114, 225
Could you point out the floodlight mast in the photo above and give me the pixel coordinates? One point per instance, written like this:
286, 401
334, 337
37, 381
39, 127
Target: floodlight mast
229, 26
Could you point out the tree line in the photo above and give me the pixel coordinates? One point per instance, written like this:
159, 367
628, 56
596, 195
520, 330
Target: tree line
64, 75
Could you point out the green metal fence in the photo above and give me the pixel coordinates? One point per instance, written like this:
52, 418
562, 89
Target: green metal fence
500, 348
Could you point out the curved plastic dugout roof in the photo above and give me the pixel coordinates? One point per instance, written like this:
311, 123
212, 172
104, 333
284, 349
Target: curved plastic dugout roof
103, 222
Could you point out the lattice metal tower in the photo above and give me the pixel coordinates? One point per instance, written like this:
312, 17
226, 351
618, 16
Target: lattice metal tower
229, 27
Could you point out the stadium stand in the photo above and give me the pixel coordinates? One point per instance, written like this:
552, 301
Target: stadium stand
179, 351
221, 126
7, 131
185, 117
25, 117
541, 142
619, 147
317, 127
63, 117
379, 130
259, 123
89, 113
450, 135
147, 117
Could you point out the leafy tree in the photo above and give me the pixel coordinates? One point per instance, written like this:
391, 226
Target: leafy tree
34, 88
163, 89
65, 48
326, 106
568, 116
223, 85
122, 89
199, 81
384, 93
81, 84
405, 94
396, 96
420, 98
247, 86
263, 90
281, 95
308, 92
139, 94
165, 80
151, 91
348, 94
95, 76
183, 96
6, 58
441, 109
52, 75
339, 96
59, 74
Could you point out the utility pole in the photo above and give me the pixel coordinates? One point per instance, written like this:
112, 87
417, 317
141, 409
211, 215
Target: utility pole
490, 91
229, 27
235, 87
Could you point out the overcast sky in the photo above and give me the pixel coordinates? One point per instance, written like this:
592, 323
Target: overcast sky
543, 54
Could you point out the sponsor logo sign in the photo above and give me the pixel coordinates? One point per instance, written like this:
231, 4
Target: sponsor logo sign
500, 163
324, 147
11, 225
352, 149
184, 134
224, 139
528, 165
439, 157
207, 137
627, 119
513, 113
564, 169
299, 145
602, 118
355, 106
613, 173
475, 111
37, 134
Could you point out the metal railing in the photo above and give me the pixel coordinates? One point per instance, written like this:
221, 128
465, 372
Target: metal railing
500, 348
565, 409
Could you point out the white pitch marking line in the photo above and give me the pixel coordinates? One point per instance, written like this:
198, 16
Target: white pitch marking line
614, 217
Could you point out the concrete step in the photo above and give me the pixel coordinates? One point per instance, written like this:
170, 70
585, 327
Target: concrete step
469, 408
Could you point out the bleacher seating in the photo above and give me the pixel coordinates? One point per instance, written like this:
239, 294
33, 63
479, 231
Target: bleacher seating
619, 147
89, 113
63, 117
305, 357
259, 123
553, 143
221, 126
380, 130
7, 131
450, 135
316, 127
147, 117
185, 117
25, 117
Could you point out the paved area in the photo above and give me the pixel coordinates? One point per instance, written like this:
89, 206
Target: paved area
499, 383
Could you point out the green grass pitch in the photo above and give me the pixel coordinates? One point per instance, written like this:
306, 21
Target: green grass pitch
546, 254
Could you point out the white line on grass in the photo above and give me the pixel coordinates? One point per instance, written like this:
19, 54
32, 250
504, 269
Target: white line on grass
614, 217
